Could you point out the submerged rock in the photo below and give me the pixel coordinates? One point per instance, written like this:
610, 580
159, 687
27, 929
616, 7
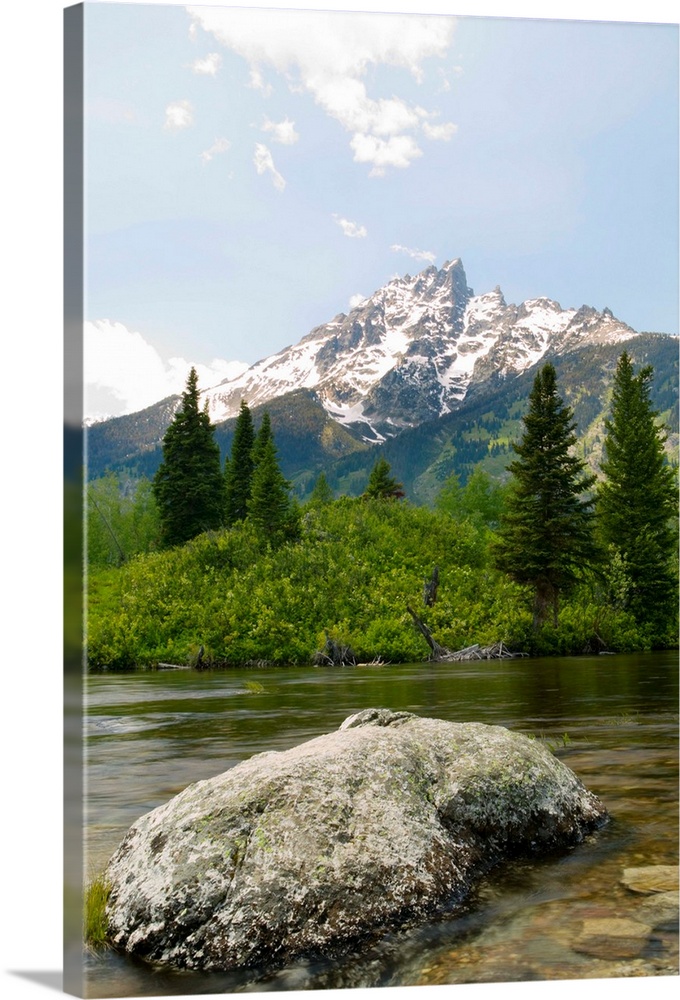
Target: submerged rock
651, 879
613, 938
312, 849
661, 911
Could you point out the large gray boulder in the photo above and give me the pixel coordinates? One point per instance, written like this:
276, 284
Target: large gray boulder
311, 849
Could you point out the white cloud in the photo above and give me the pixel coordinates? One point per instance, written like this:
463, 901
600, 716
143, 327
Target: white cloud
124, 373
219, 146
446, 74
397, 151
283, 132
357, 300
178, 116
257, 82
209, 65
443, 132
213, 373
424, 255
264, 163
328, 55
351, 229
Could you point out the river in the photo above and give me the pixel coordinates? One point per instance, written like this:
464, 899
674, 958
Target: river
612, 719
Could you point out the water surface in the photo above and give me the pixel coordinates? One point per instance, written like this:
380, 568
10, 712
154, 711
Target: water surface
612, 719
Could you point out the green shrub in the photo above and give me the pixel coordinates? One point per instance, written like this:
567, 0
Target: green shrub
353, 572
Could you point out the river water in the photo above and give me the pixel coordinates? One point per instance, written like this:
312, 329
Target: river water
612, 719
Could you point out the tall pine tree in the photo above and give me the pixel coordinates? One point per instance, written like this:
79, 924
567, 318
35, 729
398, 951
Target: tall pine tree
546, 530
189, 486
381, 485
261, 438
270, 507
637, 502
239, 468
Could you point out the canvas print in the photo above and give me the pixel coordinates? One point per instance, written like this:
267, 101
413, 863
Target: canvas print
371, 493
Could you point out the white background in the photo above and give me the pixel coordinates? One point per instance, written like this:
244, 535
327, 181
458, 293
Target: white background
31, 172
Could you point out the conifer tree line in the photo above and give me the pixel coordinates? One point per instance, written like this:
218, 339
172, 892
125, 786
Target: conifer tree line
553, 528
194, 494
558, 526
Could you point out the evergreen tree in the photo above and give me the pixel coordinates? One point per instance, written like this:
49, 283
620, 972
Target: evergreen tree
239, 468
261, 438
322, 494
546, 531
189, 486
381, 485
270, 507
637, 502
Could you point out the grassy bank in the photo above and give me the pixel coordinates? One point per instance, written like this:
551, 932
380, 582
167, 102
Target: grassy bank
354, 570
96, 921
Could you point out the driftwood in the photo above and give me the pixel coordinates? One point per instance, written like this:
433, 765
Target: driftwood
195, 662
334, 654
440, 654
596, 645
497, 651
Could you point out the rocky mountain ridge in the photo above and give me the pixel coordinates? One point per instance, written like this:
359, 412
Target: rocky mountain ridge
424, 371
480, 430
413, 351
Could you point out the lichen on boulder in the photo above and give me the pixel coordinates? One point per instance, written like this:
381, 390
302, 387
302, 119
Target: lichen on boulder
309, 850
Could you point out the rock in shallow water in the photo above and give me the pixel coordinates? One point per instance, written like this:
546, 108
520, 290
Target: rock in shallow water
613, 938
312, 849
651, 879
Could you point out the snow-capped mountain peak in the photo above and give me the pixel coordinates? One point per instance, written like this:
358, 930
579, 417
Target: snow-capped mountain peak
413, 349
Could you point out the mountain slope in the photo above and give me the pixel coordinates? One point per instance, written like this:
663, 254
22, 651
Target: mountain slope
409, 367
414, 350
307, 438
482, 431
131, 442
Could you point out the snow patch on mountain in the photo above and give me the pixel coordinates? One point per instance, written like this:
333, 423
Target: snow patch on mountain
413, 349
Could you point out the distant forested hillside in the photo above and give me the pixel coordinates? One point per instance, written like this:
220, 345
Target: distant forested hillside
481, 431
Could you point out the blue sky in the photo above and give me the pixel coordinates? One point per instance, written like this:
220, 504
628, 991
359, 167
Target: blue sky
249, 173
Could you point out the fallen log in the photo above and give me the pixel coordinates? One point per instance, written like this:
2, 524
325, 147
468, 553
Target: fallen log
440, 654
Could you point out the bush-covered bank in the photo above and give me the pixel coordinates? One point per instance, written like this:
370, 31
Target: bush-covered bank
356, 566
